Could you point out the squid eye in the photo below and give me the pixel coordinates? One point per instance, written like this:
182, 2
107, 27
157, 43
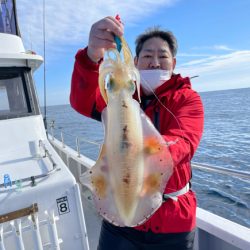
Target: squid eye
110, 84
131, 86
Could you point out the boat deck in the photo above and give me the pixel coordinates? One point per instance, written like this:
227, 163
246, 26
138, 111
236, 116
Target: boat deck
92, 219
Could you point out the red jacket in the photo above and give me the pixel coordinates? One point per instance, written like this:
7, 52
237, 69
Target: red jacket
183, 125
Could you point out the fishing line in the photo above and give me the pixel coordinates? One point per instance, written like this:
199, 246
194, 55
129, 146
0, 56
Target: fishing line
176, 119
44, 70
170, 112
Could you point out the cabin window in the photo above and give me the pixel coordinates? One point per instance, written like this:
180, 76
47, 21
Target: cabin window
7, 17
4, 103
16, 95
14, 91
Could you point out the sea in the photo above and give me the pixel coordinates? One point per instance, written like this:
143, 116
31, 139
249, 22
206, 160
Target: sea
225, 143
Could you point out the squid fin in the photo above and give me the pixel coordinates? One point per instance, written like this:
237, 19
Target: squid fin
96, 177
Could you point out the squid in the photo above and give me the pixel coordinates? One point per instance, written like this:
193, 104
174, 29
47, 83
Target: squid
134, 163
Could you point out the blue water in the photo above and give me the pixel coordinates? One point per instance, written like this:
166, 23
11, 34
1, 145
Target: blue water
225, 143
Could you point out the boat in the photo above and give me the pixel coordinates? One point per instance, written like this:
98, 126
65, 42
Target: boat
42, 203
40, 200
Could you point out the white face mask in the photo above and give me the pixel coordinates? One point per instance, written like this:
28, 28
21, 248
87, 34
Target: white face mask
151, 79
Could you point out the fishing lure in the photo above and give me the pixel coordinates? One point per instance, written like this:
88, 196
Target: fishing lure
134, 163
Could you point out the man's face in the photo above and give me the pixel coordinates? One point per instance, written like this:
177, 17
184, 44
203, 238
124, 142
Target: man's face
155, 54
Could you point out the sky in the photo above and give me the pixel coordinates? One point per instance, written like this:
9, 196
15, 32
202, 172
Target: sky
213, 38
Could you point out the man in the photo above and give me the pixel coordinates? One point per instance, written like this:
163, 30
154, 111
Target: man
176, 111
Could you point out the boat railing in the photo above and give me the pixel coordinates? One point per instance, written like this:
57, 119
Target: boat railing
59, 134
221, 170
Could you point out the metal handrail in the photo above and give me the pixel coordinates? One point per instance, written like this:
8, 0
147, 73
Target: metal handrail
78, 139
33, 179
203, 167
52, 128
46, 151
221, 170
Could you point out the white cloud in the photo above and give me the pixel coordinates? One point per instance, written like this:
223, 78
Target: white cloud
69, 22
221, 47
191, 55
220, 71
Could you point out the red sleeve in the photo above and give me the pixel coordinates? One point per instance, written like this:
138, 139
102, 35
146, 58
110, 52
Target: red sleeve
185, 130
85, 95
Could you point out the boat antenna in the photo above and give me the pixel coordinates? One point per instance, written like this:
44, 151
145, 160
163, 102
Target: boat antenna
194, 77
44, 70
